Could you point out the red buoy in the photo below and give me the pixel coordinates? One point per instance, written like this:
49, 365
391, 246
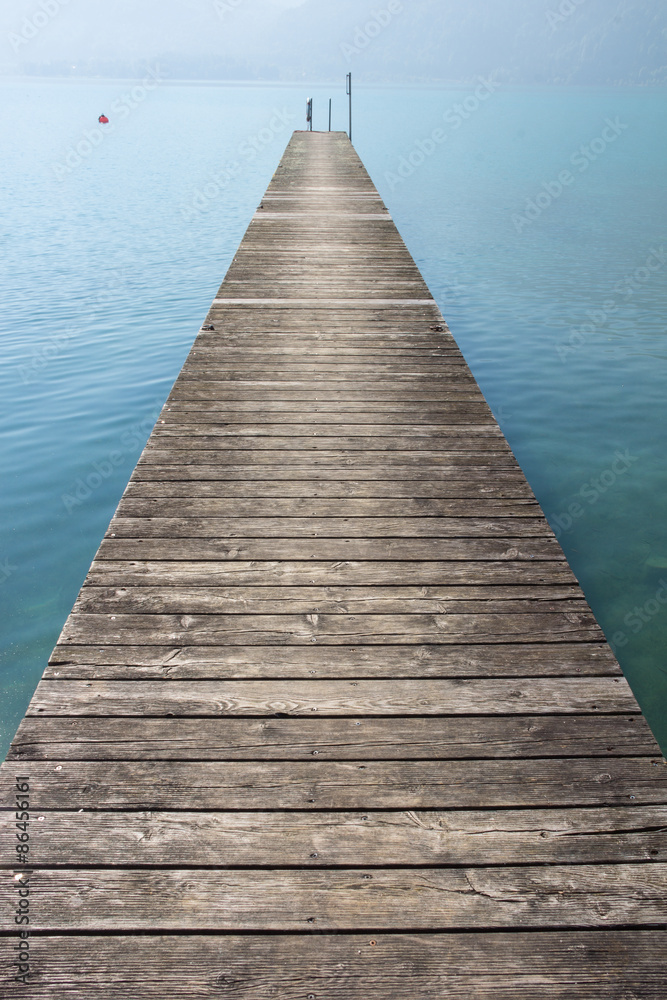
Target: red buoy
103, 119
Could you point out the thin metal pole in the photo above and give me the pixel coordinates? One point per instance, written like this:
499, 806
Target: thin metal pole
329, 114
348, 89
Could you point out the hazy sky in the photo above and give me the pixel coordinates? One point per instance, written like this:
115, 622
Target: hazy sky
523, 41
130, 27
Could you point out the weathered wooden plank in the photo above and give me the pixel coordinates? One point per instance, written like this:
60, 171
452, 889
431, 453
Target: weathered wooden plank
454, 375
490, 507
349, 292
330, 458
314, 784
308, 311
391, 477
340, 738
341, 697
242, 324
223, 366
290, 354
359, 238
199, 427
417, 387
510, 550
341, 350
324, 392
328, 527
551, 896
385, 338
377, 475
362, 246
560, 965
182, 440
314, 840
267, 411
508, 486
123, 662
196, 419
260, 630
385, 335
177, 599
327, 349
298, 310
345, 573
341, 293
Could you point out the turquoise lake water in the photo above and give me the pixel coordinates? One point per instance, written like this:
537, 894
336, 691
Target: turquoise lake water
538, 218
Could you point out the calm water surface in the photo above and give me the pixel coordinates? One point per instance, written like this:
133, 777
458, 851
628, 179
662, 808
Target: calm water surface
539, 220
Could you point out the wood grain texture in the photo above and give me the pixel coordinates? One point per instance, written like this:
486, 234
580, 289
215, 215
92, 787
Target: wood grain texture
42, 738
484, 898
263, 630
351, 697
238, 572
354, 414
509, 485
560, 965
329, 394
474, 475
323, 839
314, 784
327, 527
331, 457
414, 550
177, 599
365, 510
432, 660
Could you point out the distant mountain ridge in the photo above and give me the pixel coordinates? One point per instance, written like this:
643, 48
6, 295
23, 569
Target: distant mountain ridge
518, 41
527, 42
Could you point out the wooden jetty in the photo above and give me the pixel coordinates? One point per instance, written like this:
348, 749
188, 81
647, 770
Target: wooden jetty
331, 717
